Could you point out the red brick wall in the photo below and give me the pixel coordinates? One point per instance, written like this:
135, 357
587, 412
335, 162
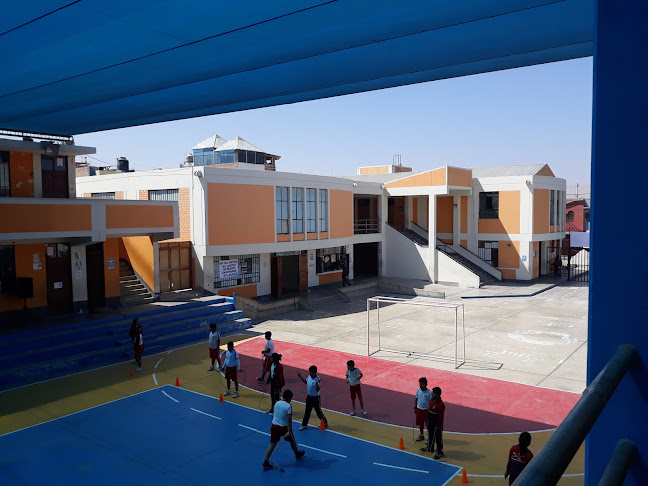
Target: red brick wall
143, 195
184, 209
119, 194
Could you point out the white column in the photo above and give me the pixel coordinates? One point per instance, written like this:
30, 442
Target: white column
456, 219
79, 278
432, 254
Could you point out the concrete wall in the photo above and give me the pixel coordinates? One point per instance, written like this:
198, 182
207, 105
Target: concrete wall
403, 258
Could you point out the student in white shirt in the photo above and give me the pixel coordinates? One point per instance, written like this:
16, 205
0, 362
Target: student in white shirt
421, 405
353, 377
267, 355
282, 427
214, 347
232, 364
313, 384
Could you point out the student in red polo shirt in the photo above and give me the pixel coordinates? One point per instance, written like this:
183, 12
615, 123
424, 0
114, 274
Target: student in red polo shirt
519, 457
435, 424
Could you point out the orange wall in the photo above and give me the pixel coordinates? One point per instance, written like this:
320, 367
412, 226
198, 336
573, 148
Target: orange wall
509, 215
341, 215
298, 236
464, 244
381, 169
508, 274
464, 214
536, 260
459, 177
36, 218
254, 208
540, 211
138, 216
444, 214
508, 256
140, 254
323, 235
332, 277
244, 290
436, 177
111, 277
283, 237
21, 173
25, 268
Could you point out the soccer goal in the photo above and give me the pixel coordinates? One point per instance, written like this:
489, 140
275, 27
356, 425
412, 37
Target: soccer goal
401, 324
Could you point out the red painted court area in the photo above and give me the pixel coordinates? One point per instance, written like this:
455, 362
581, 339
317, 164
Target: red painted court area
473, 404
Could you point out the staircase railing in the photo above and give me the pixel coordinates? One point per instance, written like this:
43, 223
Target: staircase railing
407, 235
550, 463
365, 226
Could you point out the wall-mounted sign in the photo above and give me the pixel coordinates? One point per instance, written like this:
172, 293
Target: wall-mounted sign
78, 264
36, 257
38, 266
58, 285
228, 268
110, 263
524, 258
288, 253
79, 274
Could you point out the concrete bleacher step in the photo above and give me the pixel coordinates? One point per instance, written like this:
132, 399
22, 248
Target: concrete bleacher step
44, 363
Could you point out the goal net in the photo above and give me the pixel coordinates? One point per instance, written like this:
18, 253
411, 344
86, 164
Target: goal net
416, 328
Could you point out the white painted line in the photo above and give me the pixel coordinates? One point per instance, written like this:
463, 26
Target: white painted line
204, 413
254, 430
403, 468
322, 450
159, 361
501, 475
155, 379
177, 401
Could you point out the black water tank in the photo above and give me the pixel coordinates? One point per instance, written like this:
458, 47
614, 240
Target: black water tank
122, 164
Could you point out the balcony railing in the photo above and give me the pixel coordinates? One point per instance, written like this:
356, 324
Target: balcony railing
366, 226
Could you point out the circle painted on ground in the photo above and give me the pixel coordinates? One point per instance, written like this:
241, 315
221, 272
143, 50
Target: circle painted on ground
542, 338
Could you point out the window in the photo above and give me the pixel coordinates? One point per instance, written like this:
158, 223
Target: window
225, 157
330, 259
233, 270
163, 195
281, 207
487, 251
552, 207
323, 210
203, 156
311, 210
49, 163
298, 209
5, 181
570, 217
489, 205
7, 268
109, 195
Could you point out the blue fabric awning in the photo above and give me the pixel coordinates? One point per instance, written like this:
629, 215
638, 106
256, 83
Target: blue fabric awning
73, 67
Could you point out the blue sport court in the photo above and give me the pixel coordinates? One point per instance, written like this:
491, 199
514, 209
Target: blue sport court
174, 436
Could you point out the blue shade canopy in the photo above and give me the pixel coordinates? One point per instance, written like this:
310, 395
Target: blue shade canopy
81, 66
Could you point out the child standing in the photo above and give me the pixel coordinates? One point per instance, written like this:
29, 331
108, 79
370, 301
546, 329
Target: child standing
353, 377
214, 347
276, 380
421, 404
232, 364
138, 343
519, 457
282, 427
435, 424
313, 384
267, 355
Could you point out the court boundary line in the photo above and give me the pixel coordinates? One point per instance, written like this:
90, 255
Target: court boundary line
205, 413
403, 468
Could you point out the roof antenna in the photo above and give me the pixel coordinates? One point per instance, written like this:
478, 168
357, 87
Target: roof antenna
396, 160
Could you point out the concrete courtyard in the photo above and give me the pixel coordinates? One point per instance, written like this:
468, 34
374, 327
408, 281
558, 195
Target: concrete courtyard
538, 340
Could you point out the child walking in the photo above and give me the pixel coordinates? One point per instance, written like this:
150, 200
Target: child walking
519, 457
232, 364
421, 404
282, 427
435, 424
353, 377
313, 384
267, 355
276, 380
214, 347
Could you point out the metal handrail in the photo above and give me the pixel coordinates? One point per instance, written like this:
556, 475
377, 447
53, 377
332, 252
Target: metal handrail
366, 226
617, 468
548, 466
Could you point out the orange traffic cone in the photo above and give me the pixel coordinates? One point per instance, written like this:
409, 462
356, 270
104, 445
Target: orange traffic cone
132, 374
221, 399
322, 426
401, 445
177, 381
464, 477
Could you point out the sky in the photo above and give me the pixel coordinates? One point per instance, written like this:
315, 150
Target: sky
537, 114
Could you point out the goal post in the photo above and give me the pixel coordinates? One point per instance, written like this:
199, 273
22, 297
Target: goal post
459, 328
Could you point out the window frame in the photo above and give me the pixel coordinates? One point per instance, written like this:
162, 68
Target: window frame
165, 194
311, 210
297, 204
107, 195
282, 210
323, 210
489, 205
253, 275
5, 173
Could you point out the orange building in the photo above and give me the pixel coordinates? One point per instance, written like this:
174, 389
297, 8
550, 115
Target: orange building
60, 254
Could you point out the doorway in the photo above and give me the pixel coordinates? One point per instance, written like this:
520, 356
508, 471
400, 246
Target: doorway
59, 279
54, 176
175, 266
96, 281
288, 274
396, 212
365, 260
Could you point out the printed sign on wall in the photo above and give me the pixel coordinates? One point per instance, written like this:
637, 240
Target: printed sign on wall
111, 263
228, 268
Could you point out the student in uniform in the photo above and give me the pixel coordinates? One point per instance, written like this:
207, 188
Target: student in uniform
313, 401
421, 404
282, 427
276, 380
519, 457
435, 424
138, 343
353, 377
214, 347
232, 365
267, 355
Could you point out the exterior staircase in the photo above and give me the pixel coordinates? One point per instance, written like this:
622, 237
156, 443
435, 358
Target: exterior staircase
132, 290
484, 277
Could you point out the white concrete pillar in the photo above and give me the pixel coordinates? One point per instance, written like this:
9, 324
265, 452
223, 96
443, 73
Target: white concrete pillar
79, 278
432, 254
456, 219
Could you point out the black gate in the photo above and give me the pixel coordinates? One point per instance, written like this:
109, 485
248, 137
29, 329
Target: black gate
578, 264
